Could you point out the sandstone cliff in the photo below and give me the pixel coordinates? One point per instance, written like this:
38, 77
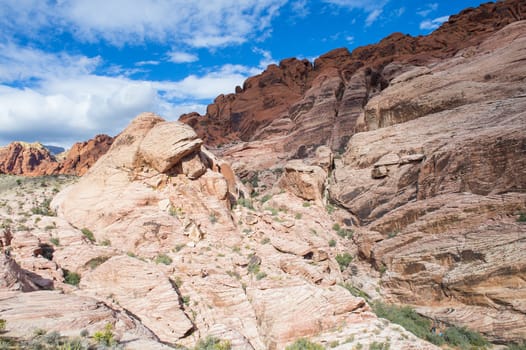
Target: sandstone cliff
165, 258
297, 105
33, 159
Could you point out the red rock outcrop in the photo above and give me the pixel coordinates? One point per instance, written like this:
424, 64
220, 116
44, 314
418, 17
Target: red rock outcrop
81, 156
33, 159
298, 105
25, 158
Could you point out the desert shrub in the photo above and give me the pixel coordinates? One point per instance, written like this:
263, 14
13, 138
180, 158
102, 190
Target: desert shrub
55, 241
95, 262
522, 217
106, 336
213, 218
3, 324
357, 292
52, 338
265, 198
273, 211
406, 317
106, 243
260, 275
72, 278
213, 343
304, 344
306, 204
163, 259
344, 260
298, 216
379, 346
332, 243
43, 208
513, 346
464, 338
245, 202
342, 232
88, 234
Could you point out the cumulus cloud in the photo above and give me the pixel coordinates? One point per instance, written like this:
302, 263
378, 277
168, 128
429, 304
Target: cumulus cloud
432, 24
198, 23
182, 57
68, 101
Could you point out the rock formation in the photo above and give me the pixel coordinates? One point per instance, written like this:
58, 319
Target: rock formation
296, 106
24, 158
33, 159
162, 254
395, 172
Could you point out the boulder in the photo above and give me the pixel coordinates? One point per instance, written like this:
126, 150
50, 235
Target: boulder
166, 144
305, 181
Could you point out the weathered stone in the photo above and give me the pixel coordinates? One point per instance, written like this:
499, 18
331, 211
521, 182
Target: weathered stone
305, 181
192, 166
166, 144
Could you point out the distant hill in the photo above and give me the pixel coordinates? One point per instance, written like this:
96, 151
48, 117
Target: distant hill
54, 150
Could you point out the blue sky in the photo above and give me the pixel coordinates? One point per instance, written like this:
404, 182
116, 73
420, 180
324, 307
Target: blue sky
70, 69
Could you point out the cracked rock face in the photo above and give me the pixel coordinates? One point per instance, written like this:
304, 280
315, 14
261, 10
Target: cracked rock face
438, 177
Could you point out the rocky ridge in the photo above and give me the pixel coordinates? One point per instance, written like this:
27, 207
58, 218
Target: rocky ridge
165, 258
279, 110
33, 159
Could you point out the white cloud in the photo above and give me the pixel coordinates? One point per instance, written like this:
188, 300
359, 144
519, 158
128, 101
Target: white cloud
428, 9
266, 58
432, 24
366, 5
372, 8
67, 101
371, 18
182, 57
147, 63
198, 23
349, 39
300, 8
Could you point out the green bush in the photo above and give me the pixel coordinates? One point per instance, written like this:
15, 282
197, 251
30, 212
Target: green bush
245, 202
344, 260
43, 208
260, 275
357, 292
304, 344
72, 278
522, 217
379, 346
464, 338
407, 318
55, 241
106, 336
332, 243
212, 343
265, 198
88, 234
3, 324
513, 346
163, 259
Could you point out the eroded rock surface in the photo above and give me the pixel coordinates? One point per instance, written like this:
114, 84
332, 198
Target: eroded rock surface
438, 176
